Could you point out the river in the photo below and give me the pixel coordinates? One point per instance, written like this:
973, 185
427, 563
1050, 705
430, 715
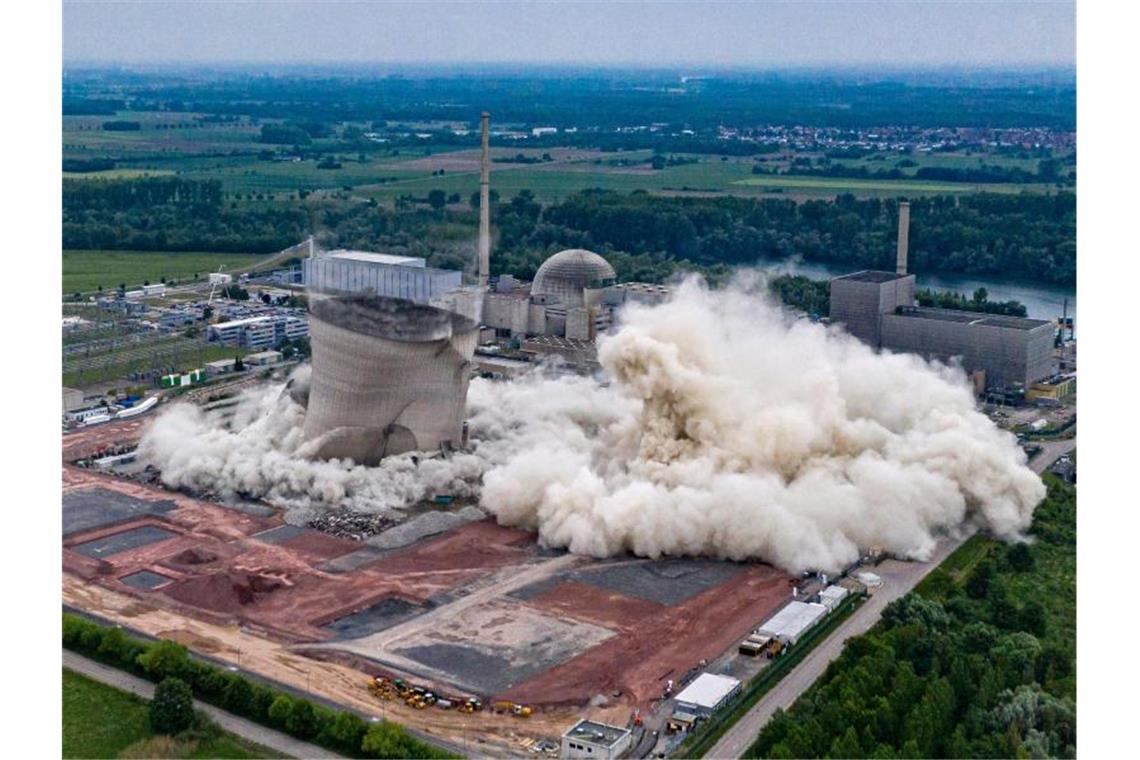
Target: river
1041, 301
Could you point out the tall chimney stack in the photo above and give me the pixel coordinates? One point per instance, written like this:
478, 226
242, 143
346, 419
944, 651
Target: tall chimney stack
904, 232
485, 205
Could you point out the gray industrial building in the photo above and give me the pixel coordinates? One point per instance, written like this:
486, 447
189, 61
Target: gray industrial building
861, 299
879, 309
380, 274
1010, 350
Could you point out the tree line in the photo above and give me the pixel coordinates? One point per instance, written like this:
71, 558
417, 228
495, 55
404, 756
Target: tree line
978, 662
646, 237
1030, 236
172, 214
167, 662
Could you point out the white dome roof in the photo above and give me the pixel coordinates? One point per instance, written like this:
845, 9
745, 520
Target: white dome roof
567, 273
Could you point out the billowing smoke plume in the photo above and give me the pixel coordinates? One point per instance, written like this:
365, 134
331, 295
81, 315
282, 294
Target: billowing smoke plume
721, 427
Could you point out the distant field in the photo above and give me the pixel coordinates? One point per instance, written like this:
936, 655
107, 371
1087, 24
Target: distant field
86, 270
845, 185
100, 721
181, 143
119, 174
552, 183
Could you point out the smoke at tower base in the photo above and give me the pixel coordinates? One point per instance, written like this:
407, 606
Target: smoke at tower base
722, 427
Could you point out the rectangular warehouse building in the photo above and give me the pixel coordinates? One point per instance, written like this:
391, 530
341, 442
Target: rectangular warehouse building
381, 274
707, 694
878, 308
1008, 349
793, 621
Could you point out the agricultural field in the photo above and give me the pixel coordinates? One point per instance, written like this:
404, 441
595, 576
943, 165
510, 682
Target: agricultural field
101, 721
191, 145
831, 186
85, 270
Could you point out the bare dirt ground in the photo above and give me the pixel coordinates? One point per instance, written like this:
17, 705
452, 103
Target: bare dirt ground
665, 644
341, 684
488, 611
582, 601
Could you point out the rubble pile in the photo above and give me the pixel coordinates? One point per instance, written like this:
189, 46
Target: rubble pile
355, 525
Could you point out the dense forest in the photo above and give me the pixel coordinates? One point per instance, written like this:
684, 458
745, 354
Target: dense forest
171, 214
978, 662
1031, 237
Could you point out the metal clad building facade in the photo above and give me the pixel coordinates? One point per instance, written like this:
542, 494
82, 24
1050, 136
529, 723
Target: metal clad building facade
878, 308
404, 277
859, 300
1009, 349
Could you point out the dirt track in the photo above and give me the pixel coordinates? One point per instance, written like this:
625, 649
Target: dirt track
338, 683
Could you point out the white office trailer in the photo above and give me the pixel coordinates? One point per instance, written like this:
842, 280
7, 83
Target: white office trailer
831, 596
263, 357
587, 738
707, 693
792, 621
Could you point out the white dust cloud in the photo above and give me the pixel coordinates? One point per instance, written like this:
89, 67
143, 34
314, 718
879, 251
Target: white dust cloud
720, 427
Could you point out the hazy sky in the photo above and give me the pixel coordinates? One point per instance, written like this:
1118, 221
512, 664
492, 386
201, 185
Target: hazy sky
762, 34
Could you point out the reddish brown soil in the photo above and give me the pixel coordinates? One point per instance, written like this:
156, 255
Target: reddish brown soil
582, 601
477, 546
224, 577
320, 546
216, 563
226, 591
664, 645
87, 441
191, 515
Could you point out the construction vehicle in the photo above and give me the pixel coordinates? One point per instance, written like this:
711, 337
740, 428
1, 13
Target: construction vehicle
382, 688
503, 706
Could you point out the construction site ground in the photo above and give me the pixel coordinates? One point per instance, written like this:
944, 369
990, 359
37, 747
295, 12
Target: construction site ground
478, 610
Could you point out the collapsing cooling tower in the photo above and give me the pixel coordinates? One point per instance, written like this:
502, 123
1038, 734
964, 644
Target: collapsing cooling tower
389, 376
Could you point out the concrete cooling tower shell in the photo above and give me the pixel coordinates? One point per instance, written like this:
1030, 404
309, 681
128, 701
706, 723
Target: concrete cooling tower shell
567, 273
388, 376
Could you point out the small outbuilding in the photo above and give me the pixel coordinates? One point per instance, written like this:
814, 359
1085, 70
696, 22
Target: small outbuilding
707, 693
587, 738
831, 596
263, 357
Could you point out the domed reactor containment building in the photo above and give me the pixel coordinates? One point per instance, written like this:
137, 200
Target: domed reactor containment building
567, 274
392, 344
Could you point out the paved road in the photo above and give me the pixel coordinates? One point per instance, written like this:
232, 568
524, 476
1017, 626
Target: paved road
898, 579
254, 732
1050, 452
